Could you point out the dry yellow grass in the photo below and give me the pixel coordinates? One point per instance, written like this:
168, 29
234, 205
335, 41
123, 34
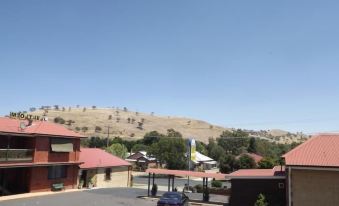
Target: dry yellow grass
91, 118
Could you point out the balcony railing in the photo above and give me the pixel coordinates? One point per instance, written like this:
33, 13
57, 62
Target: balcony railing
14, 155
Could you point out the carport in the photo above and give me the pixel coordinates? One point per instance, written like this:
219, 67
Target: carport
181, 173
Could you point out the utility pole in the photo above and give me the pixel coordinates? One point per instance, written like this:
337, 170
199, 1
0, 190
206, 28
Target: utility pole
107, 140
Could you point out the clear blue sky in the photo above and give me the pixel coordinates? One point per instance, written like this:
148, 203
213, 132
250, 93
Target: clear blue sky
250, 64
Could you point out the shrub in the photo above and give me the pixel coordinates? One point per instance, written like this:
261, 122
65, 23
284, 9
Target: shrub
216, 183
261, 201
199, 188
97, 129
59, 120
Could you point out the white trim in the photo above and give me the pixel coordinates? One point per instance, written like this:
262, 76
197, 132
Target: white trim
258, 177
314, 168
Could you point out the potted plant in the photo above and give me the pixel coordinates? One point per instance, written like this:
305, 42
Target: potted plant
154, 190
206, 195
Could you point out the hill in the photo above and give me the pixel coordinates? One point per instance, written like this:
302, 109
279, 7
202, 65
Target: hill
133, 125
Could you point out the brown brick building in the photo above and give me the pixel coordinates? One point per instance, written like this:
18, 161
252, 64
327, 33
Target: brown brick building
37, 156
313, 172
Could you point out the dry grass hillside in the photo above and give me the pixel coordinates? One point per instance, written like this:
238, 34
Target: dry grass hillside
133, 125
130, 125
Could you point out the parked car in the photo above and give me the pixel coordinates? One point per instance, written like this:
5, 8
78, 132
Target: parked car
173, 199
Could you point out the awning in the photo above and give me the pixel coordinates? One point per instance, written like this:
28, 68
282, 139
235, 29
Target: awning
61, 145
185, 173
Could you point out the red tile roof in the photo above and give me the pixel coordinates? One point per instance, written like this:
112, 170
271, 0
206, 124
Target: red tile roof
8, 125
254, 156
321, 150
185, 173
98, 158
276, 171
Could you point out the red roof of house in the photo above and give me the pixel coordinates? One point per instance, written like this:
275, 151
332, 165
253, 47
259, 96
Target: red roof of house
98, 158
8, 125
276, 171
256, 157
185, 173
321, 150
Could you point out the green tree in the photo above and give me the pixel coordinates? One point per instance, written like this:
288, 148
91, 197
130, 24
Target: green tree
261, 201
173, 133
118, 150
252, 148
152, 137
139, 147
233, 145
228, 164
201, 147
234, 133
217, 153
246, 162
98, 129
170, 151
266, 163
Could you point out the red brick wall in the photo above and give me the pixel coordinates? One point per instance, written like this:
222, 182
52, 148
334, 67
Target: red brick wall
40, 182
43, 153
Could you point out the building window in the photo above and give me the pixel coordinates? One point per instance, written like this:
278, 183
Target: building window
57, 172
281, 185
108, 174
61, 145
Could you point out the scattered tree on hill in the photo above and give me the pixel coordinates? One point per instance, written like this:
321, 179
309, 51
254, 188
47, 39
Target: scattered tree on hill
69, 109
234, 133
117, 113
140, 125
109, 117
98, 129
143, 120
136, 113
78, 106
211, 126
189, 122
132, 120
118, 119
84, 129
56, 107
84, 109
128, 120
94, 107
63, 109
32, 109
118, 150
152, 113
70, 122
59, 120
77, 129
125, 109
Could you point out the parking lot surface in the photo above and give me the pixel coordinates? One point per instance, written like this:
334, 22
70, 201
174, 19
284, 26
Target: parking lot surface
95, 197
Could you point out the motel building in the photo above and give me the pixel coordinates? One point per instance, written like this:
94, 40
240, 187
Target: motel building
312, 171
101, 169
37, 156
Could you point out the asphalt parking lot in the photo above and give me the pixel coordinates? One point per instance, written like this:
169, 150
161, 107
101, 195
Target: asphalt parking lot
96, 197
